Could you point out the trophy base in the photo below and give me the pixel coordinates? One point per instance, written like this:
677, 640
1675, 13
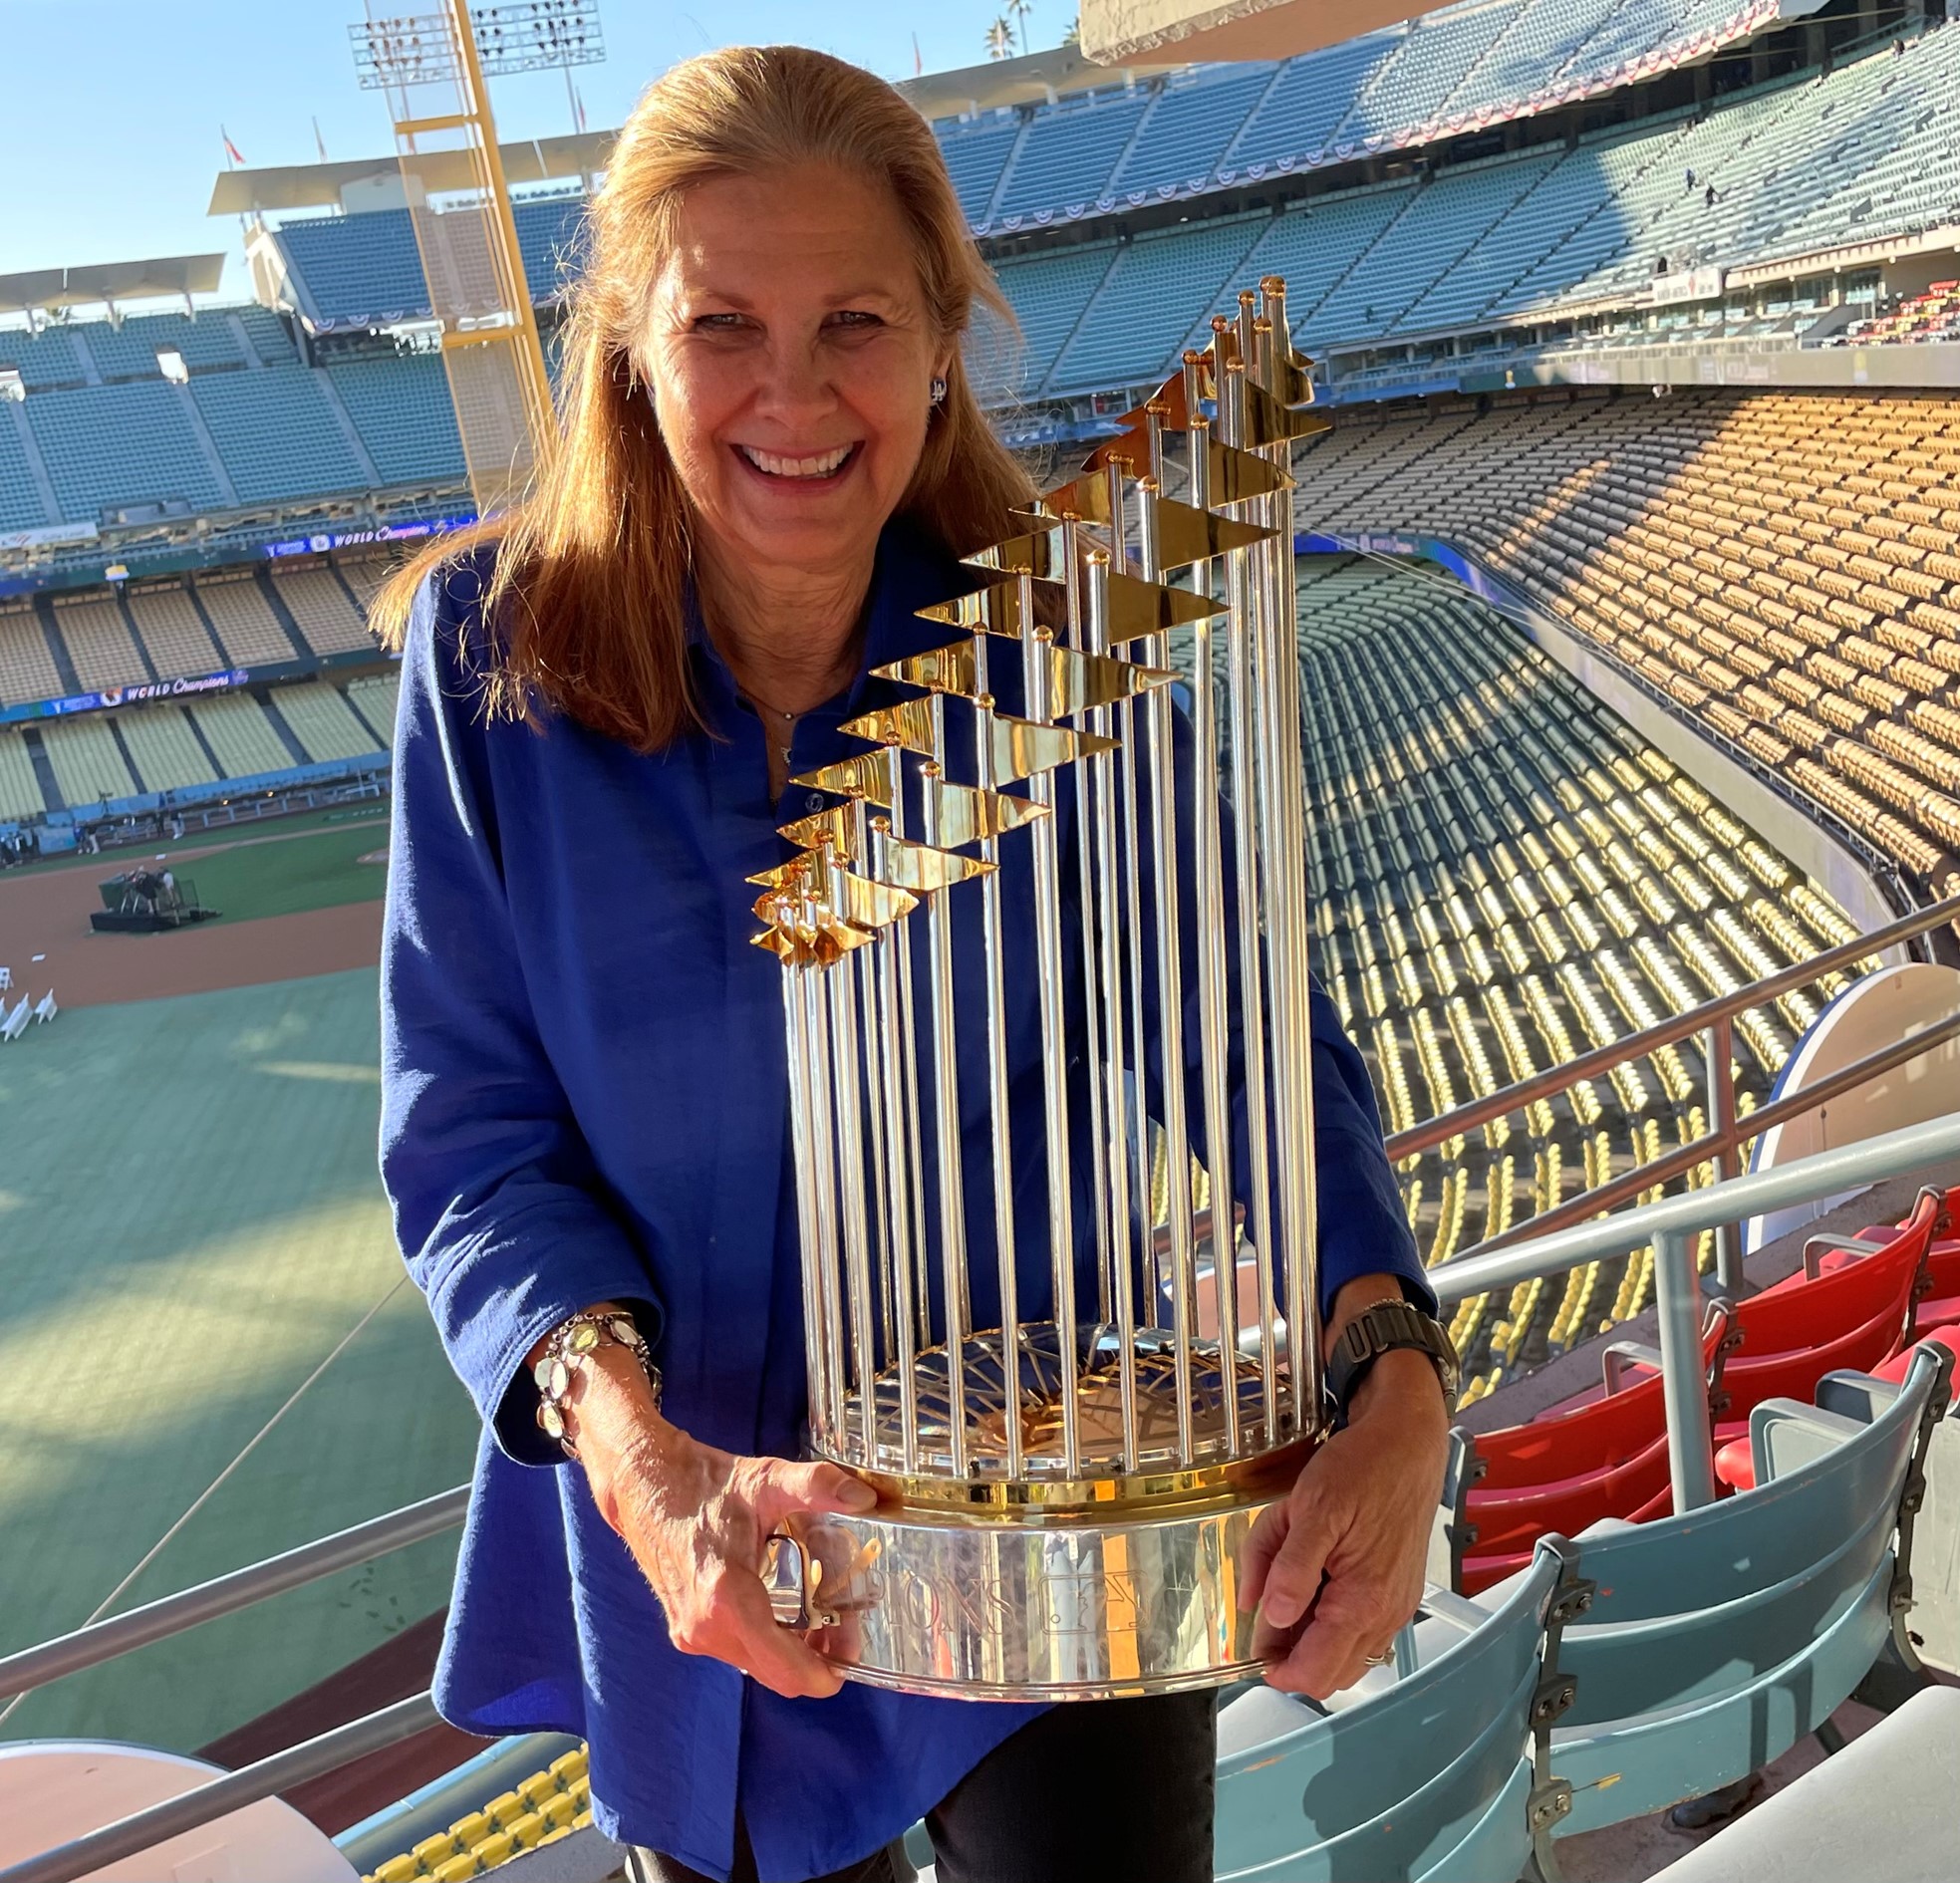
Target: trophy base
1042, 1608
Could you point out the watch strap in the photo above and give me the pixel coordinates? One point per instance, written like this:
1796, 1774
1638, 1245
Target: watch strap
1382, 1327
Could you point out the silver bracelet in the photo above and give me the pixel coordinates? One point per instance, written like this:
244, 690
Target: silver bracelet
567, 1348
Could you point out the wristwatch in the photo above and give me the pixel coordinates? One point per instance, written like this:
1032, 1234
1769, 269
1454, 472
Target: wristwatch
1380, 1328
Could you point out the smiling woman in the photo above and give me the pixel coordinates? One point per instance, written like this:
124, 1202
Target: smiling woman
771, 460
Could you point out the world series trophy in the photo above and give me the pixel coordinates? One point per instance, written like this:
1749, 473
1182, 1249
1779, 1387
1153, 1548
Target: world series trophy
1063, 1496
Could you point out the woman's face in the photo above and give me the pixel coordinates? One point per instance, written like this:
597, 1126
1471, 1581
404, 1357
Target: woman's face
791, 356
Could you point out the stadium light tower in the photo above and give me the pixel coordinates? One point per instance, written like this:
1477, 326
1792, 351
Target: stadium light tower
434, 68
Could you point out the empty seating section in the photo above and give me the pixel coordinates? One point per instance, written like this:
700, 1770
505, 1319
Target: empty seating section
130, 351
1308, 98
1436, 52
357, 266
173, 631
105, 445
20, 790
26, 669
365, 575
1190, 128
1144, 309
276, 433
1069, 152
1782, 566
402, 410
1506, 876
322, 721
543, 1809
357, 269
326, 614
1049, 294
1318, 247
163, 747
245, 623
245, 740
976, 154
87, 763
21, 508
375, 696
1934, 314
269, 335
99, 642
1438, 225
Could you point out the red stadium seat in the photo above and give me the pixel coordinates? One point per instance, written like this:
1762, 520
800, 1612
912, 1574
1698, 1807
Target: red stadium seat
1603, 1455
1735, 1462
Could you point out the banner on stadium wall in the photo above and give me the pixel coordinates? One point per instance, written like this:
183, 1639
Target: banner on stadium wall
49, 536
184, 686
383, 533
1687, 284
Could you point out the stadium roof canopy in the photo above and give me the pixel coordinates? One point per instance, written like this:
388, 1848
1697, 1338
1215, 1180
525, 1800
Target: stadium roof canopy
1033, 79
322, 185
109, 281
1116, 31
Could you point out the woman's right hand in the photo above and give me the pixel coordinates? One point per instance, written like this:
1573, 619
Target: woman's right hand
697, 1519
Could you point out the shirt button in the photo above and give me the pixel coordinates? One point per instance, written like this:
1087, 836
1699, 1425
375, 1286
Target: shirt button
814, 802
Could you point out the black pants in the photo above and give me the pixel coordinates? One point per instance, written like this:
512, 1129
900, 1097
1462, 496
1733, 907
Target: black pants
1119, 1789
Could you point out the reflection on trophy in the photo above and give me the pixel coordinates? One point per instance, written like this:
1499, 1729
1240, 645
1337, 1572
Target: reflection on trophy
1065, 1481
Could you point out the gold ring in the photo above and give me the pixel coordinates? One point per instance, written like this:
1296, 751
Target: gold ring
1379, 1660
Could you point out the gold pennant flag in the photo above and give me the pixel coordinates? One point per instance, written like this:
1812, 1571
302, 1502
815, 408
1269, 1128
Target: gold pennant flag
1186, 535
1138, 608
836, 827
921, 869
822, 946
867, 777
1268, 422
995, 610
1085, 497
909, 725
964, 814
1130, 449
1077, 682
1040, 552
866, 904
1239, 476
1023, 749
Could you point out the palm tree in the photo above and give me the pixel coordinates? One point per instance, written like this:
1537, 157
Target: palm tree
999, 39
1018, 11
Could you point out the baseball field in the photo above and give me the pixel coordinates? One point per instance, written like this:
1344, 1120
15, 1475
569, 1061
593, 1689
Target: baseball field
191, 1224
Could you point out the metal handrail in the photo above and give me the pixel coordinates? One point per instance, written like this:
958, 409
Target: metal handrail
1722, 1143
1670, 1224
312, 1759
1601, 1059
222, 1595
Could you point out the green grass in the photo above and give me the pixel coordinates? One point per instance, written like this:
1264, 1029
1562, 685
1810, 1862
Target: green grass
372, 816
284, 879
189, 1223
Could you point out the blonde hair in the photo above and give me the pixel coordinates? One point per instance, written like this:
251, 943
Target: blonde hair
586, 605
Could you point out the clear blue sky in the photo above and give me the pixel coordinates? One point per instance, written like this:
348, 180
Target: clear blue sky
109, 109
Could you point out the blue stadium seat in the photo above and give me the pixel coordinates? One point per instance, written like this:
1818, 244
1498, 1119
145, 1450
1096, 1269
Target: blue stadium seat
21, 508
1069, 152
130, 351
1192, 125
402, 412
1428, 1777
976, 154
276, 433
113, 445
1718, 1639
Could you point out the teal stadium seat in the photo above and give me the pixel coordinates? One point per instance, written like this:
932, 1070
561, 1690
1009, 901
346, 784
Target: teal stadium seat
1718, 1639
1431, 1777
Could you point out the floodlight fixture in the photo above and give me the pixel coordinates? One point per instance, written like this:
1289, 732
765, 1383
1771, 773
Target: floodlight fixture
512, 36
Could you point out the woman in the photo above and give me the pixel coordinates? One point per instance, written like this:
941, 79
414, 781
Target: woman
772, 455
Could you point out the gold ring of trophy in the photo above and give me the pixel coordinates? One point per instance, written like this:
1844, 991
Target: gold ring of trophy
1063, 1493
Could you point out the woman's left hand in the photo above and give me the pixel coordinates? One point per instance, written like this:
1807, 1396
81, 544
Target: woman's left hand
1345, 1554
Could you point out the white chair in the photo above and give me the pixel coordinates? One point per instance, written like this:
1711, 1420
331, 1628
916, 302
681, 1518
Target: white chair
44, 1008
6, 979
15, 1024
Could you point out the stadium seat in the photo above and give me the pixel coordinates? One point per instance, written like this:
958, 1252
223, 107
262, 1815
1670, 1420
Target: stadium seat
1360, 1791
1717, 1638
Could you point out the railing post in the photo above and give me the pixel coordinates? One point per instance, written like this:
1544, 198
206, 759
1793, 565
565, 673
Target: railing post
1684, 1384
1720, 1051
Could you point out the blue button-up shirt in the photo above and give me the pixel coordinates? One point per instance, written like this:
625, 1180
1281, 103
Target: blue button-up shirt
585, 1099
